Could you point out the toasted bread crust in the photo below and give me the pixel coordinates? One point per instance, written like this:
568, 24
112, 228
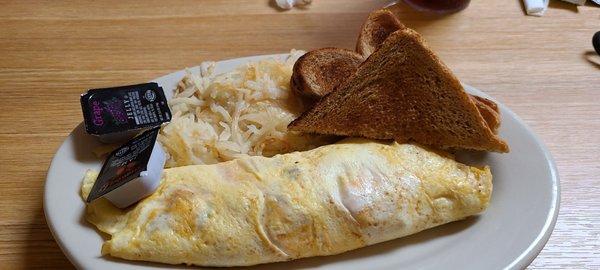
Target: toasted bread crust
491, 104
402, 92
318, 72
378, 26
489, 111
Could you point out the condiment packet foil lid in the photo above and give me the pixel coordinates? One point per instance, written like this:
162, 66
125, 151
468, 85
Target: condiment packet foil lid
125, 108
131, 172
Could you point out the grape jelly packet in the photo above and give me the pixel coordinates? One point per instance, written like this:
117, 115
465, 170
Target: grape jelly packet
118, 113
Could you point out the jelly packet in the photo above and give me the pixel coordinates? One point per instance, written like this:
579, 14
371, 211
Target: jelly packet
131, 172
119, 113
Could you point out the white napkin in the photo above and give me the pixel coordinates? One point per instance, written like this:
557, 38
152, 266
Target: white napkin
536, 7
289, 4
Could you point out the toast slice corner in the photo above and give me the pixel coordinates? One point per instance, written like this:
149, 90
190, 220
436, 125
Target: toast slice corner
318, 72
378, 26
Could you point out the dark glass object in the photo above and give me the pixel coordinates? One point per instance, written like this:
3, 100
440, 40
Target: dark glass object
439, 6
596, 42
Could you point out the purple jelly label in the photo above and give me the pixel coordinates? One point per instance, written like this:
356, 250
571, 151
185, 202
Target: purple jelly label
97, 114
116, 109
124, 108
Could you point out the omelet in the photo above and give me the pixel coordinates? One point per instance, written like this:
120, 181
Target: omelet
325, 201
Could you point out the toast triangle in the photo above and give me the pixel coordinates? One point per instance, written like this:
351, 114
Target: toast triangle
402, 92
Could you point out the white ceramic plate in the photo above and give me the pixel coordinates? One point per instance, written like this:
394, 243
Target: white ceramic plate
508, 235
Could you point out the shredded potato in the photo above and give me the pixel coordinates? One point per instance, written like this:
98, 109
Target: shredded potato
243, 112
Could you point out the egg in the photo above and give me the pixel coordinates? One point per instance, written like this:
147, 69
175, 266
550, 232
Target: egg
320, 202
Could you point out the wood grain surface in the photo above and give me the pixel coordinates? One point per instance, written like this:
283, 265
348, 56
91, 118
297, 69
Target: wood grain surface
51, 51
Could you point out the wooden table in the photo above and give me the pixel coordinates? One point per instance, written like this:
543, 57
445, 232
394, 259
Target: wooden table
51, 51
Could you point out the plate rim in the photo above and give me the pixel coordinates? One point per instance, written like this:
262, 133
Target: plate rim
538, 244
522, 261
